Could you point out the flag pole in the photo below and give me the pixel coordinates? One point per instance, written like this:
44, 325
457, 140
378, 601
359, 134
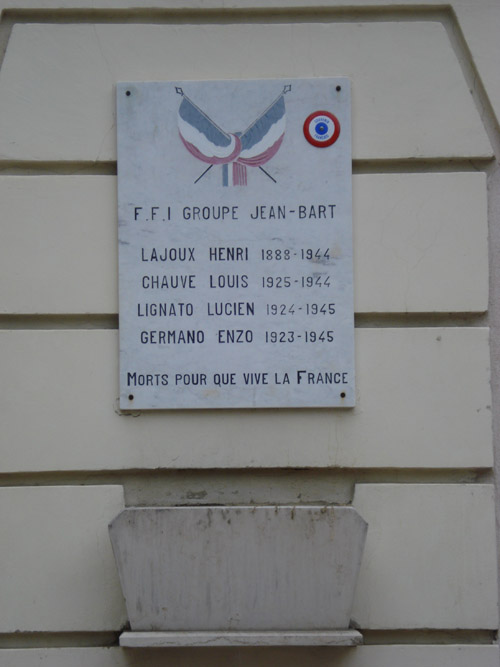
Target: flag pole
200, 177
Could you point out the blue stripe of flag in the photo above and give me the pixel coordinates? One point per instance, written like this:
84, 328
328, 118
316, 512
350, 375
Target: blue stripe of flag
261, 127
192, 115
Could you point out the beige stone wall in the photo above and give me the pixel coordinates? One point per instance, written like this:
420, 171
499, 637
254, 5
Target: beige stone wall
416, 456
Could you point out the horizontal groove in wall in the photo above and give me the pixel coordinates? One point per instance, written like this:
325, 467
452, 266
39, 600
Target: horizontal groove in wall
63, 168
248, 477
269, 14
419, 476
363, 166
374, 637
362, 320
420, 165
412, 320
84, 321
57, 639
370, 637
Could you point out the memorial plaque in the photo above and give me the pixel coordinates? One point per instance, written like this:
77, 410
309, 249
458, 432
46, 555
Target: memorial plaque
235, 244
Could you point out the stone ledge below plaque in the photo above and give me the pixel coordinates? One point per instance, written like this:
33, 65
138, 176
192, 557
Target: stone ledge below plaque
239, 575
282, 638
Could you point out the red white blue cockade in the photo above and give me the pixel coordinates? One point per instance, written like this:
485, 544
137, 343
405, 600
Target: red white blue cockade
321, 129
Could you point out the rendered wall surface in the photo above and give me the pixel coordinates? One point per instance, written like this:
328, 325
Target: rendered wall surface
416, 457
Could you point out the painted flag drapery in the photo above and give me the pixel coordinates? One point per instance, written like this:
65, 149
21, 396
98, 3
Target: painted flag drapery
252, 148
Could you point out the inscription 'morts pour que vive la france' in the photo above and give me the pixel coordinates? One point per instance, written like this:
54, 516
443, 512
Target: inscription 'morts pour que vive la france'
235, 245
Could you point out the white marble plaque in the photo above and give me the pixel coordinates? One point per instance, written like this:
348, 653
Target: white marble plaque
235, 242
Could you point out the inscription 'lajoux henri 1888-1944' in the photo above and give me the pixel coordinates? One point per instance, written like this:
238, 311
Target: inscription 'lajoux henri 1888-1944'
235, 244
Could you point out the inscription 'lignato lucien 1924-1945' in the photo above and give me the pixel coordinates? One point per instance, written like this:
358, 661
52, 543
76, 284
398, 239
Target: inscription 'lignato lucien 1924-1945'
235, 287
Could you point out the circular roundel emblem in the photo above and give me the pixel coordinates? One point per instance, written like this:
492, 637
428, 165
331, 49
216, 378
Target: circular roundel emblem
321, 129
